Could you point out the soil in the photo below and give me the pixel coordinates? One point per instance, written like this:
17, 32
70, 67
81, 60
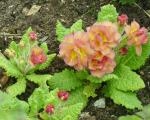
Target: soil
14, 21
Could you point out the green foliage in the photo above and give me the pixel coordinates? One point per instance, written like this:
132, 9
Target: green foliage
71, 108
105, 78
18, 88
18, 63
128, 80
127, 99
61, 31
134, 61
11, 107
130, 117
9, 67
38, 79
142, 115
107, 13
89, 90
65, 80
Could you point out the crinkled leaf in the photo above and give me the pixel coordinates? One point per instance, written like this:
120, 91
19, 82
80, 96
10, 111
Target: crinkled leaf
44, 47
18, 88
38, 79
107, 77
82, 75
77, 26
134, 61
107, 13
65, 80
9, 67
130, 117
89, 90
71, 111
128, 80
127, 99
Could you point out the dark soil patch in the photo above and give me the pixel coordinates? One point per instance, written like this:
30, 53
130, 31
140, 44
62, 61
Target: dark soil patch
13, 20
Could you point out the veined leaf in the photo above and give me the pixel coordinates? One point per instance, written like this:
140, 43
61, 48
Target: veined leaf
107, 13
18, 88
38, 79
10, 68
128, 80
127, 99
107, 77
65, 80
44, 47
134, 61
130, 117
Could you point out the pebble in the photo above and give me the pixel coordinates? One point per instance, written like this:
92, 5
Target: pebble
86, 116
100, 103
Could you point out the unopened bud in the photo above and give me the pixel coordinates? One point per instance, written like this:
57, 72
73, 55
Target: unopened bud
123, 19
123, 51
33, 36
10, 53
49, 108
63, 95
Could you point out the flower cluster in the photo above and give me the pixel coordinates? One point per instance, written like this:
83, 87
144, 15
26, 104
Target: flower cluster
93, 49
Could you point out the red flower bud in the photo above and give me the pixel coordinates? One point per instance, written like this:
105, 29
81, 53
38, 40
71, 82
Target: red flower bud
123, 19
33, 36
38, 56
123, 51
63, 95
49, 108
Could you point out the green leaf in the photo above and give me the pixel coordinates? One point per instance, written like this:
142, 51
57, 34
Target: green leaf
76, 96
37, 101
38, 79
144, 114
64, 113
25, 37
10, 108
44, 47
127, 99
65, 80
9, 67
77, 26
14, 46
107, 13
134, 61
130, 117
107, 77
128, 80
61, 31
89, 90
82, 74
18, 88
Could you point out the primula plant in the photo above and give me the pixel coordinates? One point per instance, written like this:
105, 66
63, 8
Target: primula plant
23, 59
107, 51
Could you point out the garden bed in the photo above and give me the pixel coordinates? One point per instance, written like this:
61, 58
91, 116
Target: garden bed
13, 23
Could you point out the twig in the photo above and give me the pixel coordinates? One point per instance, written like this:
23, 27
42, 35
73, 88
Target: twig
142, 9
10, 35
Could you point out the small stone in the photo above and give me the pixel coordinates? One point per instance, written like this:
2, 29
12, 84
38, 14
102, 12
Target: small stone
86, 116
100, 103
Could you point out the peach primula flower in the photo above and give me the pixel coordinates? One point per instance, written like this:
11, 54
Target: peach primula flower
100, 64
136, 36
103, 36
75, 50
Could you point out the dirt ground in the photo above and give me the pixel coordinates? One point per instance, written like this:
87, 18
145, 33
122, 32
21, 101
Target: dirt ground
14, 21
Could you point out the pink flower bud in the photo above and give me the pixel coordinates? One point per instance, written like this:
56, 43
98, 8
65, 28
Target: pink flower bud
38, 56
63, 95
123, 51
123, 19
49, 108
33, 36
